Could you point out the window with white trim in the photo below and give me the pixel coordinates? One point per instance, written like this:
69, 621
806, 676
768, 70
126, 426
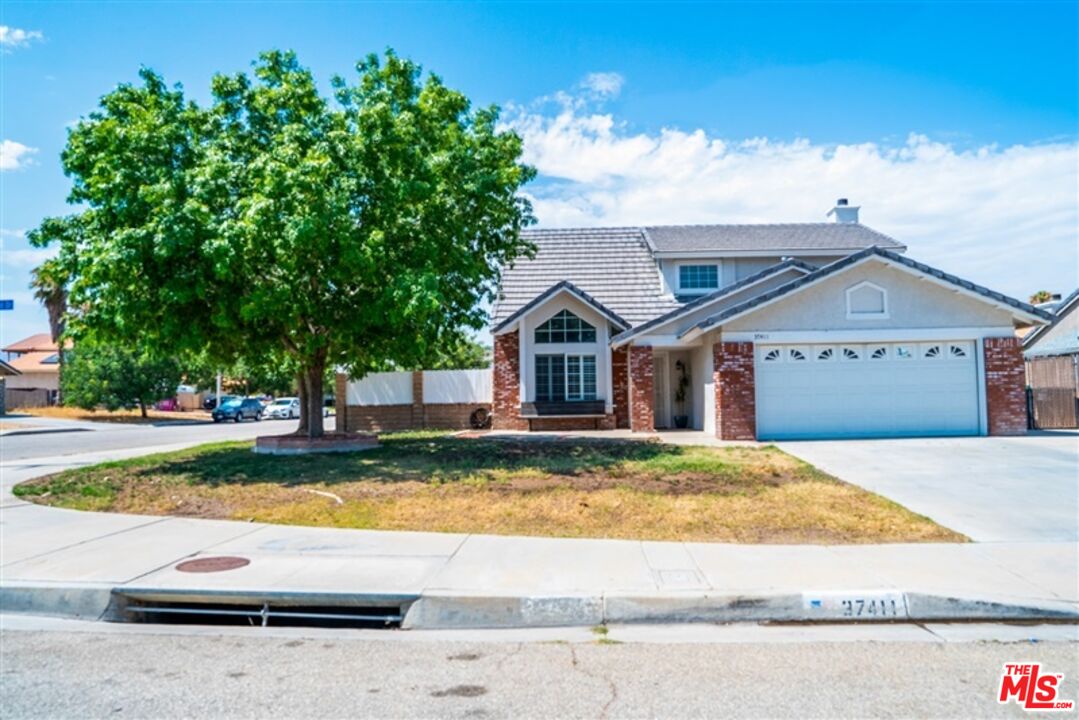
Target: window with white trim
957, 352
565, 377
904, 352
879, 353
795, 355
932, 352
698, 278
867, 301
772, 355
565, 327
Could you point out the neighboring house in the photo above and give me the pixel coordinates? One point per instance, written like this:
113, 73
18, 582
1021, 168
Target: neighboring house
1052, 366
6, 371
783, 331
37, 361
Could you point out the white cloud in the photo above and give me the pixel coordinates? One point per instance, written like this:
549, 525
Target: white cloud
603, 84
11, 38
1006, 217
14, 156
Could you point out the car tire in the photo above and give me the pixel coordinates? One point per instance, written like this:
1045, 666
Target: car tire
217, 420
238, 418
258, 417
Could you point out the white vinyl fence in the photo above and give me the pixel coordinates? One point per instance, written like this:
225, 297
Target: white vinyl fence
457, 386
384, 388
440, 387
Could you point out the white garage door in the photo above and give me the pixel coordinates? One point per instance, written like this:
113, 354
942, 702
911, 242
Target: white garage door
866, 390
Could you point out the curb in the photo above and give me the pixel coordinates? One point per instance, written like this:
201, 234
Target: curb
446, 610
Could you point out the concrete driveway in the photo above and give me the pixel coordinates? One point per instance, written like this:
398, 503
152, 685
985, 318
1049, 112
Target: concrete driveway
992, 489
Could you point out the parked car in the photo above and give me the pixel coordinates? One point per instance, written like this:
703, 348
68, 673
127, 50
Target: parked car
286, 407
238, 409
210, 402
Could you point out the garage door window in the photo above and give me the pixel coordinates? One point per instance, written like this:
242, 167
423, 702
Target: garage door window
825, 354
795, 355
879, 353
903, 352
931, 352
956, 352
773, 355
851, 354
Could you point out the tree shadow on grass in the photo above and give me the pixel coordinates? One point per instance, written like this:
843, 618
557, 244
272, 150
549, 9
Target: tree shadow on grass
417, 459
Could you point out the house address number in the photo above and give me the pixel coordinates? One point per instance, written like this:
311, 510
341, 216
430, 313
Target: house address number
871, 605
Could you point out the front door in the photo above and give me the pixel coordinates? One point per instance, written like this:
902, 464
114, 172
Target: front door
660, 388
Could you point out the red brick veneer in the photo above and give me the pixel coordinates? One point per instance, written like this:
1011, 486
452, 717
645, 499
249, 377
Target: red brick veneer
620, 386
641, 416
1005, 386
736, 402
506, 405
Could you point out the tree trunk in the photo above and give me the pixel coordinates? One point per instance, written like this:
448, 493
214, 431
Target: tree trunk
301, 392
142, 407
314, 373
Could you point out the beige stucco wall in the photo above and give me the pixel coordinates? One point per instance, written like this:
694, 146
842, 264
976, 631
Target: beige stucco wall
731, 270
1062, 337
912, 303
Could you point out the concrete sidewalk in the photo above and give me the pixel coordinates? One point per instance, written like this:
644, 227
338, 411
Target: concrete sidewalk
72, 563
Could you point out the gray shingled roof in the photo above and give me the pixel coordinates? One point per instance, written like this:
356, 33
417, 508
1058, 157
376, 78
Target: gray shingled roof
849, 260
612, 265
785, 238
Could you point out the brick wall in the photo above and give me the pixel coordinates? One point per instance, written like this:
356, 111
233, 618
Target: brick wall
340, 401
506, 408
1005, 386
385, 418
641, 418
736, 404
620, 386
570, 423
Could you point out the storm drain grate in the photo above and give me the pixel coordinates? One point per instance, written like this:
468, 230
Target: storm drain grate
264, 614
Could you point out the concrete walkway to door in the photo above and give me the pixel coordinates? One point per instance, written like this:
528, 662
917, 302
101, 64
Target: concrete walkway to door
992, 489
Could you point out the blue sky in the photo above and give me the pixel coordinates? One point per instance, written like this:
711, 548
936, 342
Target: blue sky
954, 125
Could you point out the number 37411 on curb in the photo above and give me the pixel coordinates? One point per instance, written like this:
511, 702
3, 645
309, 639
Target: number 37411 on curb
873, 607
855, 605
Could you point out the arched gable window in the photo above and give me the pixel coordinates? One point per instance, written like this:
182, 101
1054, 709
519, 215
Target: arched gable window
565, 327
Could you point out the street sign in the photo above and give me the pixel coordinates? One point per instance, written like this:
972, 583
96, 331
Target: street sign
7, 304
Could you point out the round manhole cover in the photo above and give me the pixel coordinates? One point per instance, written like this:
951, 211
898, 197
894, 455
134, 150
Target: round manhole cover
212, 564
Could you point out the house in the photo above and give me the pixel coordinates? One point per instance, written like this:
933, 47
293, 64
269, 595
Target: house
6, 371
37, 361
781, 331
1052, 367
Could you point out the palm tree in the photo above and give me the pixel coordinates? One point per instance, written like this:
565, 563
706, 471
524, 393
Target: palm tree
49, 282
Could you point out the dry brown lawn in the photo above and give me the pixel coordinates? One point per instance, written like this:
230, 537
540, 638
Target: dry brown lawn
119, 416
506, 486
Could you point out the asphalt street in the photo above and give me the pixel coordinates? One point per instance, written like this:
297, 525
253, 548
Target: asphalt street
65, 437
56, 673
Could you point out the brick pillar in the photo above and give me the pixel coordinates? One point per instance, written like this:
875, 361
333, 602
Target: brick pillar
620, 386
340, 402
1005, 386
736, 402
506, 403
419, 419
641, 416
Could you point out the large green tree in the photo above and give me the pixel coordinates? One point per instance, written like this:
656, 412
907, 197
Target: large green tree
113, 376
351, 231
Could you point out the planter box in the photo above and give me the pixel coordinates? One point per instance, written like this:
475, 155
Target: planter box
301, 445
